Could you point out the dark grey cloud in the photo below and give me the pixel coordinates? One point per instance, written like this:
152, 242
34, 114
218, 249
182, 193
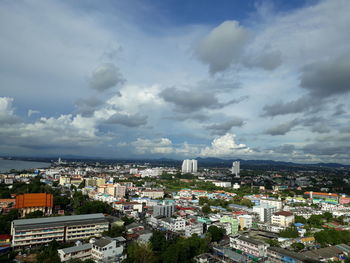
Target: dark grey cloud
284, 149
316, 124
326, 148
86, 107
194, 100
129, 120
327, 77
224, 127
283, 128
222, 46
106, 76
339, 110
300, 105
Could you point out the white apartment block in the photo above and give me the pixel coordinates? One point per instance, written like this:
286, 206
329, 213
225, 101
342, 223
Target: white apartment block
249, 246
153, 194
245, 221
189, 166
81, 252
272, 202
265, 212
107, 248
194, 229
236, 168
40, 231
222, 184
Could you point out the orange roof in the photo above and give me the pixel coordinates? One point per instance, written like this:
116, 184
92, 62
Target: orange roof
319, 193
34, 200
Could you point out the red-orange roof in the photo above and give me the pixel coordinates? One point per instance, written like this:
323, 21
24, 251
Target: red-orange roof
34, 200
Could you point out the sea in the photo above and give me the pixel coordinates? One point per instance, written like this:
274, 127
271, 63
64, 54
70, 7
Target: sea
7, 165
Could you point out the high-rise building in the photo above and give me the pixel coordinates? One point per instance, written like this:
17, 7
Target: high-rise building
189, 166
236, 168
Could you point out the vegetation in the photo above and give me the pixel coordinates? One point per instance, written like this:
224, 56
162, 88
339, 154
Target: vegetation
332, 237
297, 246
34, 214
216, 233
290, 232
6, 219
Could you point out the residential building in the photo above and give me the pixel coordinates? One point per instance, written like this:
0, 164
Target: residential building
265, 212
166, 210
154, 194
27, 203
245, 221
283, 218
250, 246
107, 248
39, 231
236, 168
232, 221
173, 224
189, 166
281, 255
222, 184
272, 202
81, 252
194, 229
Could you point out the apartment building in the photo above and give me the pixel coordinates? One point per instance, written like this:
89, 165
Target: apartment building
282, 218
39, 231
81, 252
154, 194
250, 246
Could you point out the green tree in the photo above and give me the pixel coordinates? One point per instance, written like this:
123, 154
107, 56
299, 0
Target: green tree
35, 214
158, 241
273, 242
300, 219
49, 254
206, 209
297, 246
140, 253
290, 232
216, 233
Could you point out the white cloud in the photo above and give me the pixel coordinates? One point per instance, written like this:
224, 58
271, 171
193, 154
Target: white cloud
225, 146
155, 146
106, 76
32, 112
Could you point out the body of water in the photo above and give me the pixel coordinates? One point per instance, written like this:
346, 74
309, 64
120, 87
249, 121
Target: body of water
7, 165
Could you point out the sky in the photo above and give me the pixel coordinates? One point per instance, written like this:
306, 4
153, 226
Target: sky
176, 79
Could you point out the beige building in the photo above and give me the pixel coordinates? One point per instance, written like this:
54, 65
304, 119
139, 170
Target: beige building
40, 231
153, 194
282, 218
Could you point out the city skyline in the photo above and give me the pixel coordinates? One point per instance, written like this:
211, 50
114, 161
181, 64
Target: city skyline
151, 79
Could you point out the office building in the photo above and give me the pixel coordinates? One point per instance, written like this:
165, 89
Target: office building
236, 168
189, 166
40, 231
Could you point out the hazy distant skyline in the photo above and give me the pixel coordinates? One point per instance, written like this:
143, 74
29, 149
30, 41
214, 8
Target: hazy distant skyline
176, 79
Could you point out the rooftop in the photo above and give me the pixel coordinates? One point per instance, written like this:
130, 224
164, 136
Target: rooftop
76, 248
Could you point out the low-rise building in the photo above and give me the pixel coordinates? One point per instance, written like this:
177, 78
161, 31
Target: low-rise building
81, 252
283, 218
107, 248
250, 246
154, 194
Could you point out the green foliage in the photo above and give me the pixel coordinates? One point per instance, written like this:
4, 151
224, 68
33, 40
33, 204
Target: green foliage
297, 246
273, 242
206, 209
140, 253
300, 219
6, 219
332, 237
315, 220
216, 233
82, 184
35, 214
49, 253
327, 216
127, 220
115, 231
158, 241
290, 232
92, 207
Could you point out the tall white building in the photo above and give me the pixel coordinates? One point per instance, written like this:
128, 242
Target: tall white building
236, 168
189, 166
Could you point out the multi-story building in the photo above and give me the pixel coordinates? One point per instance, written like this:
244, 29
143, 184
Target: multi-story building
245, 221
236, 168
232, 221
194, 229
281, 255
250, 246
189, 166
27, 203
154, 194
324, 197
39, 231
173, 224
166, 210
265, 212
107, 248
282, 218
222, 184
272, 202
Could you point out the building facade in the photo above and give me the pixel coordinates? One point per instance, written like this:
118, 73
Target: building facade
39, 231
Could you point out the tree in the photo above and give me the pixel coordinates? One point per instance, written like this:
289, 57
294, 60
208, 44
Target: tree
92, 207
216, 233
297, 246
328, 216
206, 209
140, 253
82, 184
290, 232
49, 254
300, 219
158, 241
273, 242
35, 214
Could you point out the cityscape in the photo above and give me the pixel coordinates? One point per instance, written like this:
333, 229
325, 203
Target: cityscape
162, 131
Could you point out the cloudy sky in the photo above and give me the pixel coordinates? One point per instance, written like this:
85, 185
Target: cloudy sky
176, 79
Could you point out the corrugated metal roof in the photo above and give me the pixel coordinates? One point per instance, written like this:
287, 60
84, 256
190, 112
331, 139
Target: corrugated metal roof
76, 248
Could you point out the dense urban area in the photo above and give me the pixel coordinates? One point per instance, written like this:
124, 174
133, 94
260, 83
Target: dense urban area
191, 212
